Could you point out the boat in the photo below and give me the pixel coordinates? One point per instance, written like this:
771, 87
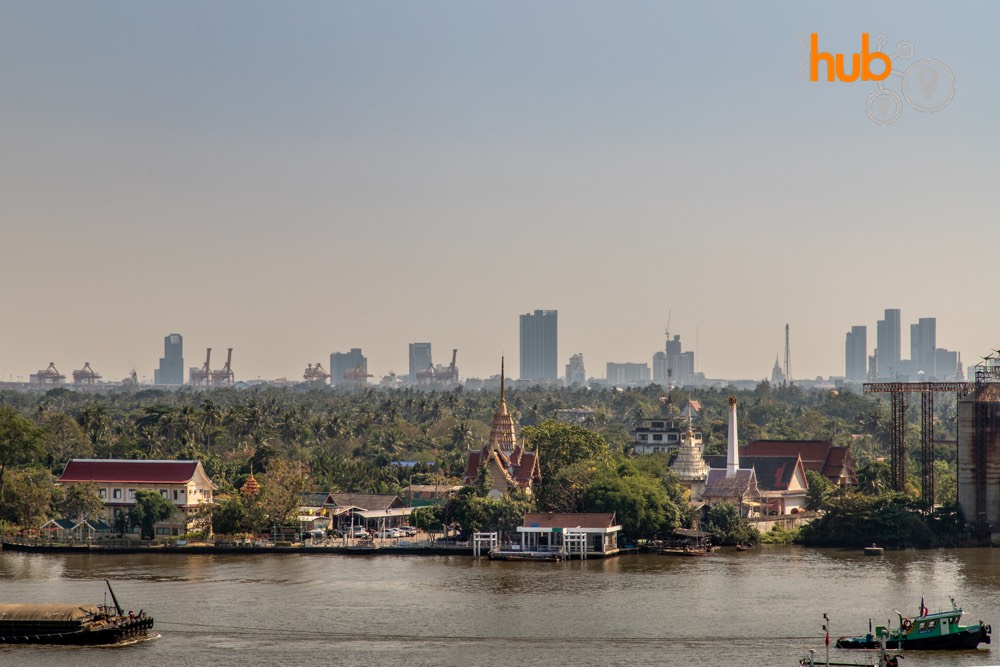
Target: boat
880, 659
926, 631
874, 550
686, 542
538, 556
77, 624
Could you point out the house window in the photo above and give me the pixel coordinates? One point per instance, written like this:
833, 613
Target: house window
671, 437
176, 496
657, 424
643, 437
131, 494
164, 493
657, 437
103, 493
162, 531
116, 494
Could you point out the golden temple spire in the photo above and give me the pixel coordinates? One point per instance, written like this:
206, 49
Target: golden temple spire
502, 431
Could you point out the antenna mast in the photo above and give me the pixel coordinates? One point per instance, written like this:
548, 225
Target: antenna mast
788, 359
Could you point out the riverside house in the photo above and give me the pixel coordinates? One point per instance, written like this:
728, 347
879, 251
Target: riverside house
183, 483
596, 533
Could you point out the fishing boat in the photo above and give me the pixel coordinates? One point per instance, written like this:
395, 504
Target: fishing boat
938, 631
80, 624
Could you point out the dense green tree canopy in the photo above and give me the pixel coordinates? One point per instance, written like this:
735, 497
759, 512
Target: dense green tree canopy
150, 508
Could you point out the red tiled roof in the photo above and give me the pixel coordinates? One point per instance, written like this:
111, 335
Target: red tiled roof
568, 520
774, 473
136, 472
817, 455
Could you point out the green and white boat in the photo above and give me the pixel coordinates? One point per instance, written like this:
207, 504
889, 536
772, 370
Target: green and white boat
942, 630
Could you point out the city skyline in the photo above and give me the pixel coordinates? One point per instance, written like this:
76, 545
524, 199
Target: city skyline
678, 365
358, 175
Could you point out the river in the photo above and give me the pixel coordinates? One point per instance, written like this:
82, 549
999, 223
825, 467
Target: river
755, 608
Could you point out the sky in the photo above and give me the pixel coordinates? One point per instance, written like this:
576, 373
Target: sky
296, 179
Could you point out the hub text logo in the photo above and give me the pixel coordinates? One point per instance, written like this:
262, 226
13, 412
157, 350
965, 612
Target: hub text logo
926, 85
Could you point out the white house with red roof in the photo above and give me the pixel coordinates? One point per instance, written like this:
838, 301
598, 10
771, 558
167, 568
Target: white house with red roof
594, 533
183, 483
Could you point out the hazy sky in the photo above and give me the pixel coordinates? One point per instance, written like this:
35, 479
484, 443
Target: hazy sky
294, 179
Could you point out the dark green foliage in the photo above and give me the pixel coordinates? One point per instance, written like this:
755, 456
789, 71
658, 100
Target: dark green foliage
857, 520
728, 528
642, 505
477, 513
150, 508
820, 489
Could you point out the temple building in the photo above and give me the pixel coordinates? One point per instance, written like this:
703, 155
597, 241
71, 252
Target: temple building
508, 465
732, 484
690, 466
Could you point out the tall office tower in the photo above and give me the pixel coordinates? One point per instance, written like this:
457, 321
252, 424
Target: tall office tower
923, 343
343, 362
680, 365
420, 359
947, 365
575, 373
856, 354
661, 369
171, 370
539, 349
887, 344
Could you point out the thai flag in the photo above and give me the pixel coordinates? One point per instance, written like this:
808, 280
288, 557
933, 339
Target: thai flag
923, 608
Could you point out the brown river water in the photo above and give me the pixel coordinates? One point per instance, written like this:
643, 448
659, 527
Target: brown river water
754, 608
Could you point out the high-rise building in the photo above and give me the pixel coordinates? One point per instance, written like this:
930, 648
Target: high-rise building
887, 344
575, 373
923, 343
661, 369
856, 354
342, 362
420, 359
680, 365
171, 370
947, 365
628, 374
539, 349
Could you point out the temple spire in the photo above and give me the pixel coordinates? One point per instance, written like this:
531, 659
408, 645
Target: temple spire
502, 432
503, 400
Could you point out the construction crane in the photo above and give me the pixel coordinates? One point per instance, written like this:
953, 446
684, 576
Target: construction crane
451, 373
357, 375
86, 375
225, 376
315, 374
50, 377
203, 375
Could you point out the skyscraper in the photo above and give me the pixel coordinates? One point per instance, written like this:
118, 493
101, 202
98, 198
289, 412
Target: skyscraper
539, 349
887, 344
341, 362
856, 354
171, 370
420, 359
680, 365
923, 344
575, 372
